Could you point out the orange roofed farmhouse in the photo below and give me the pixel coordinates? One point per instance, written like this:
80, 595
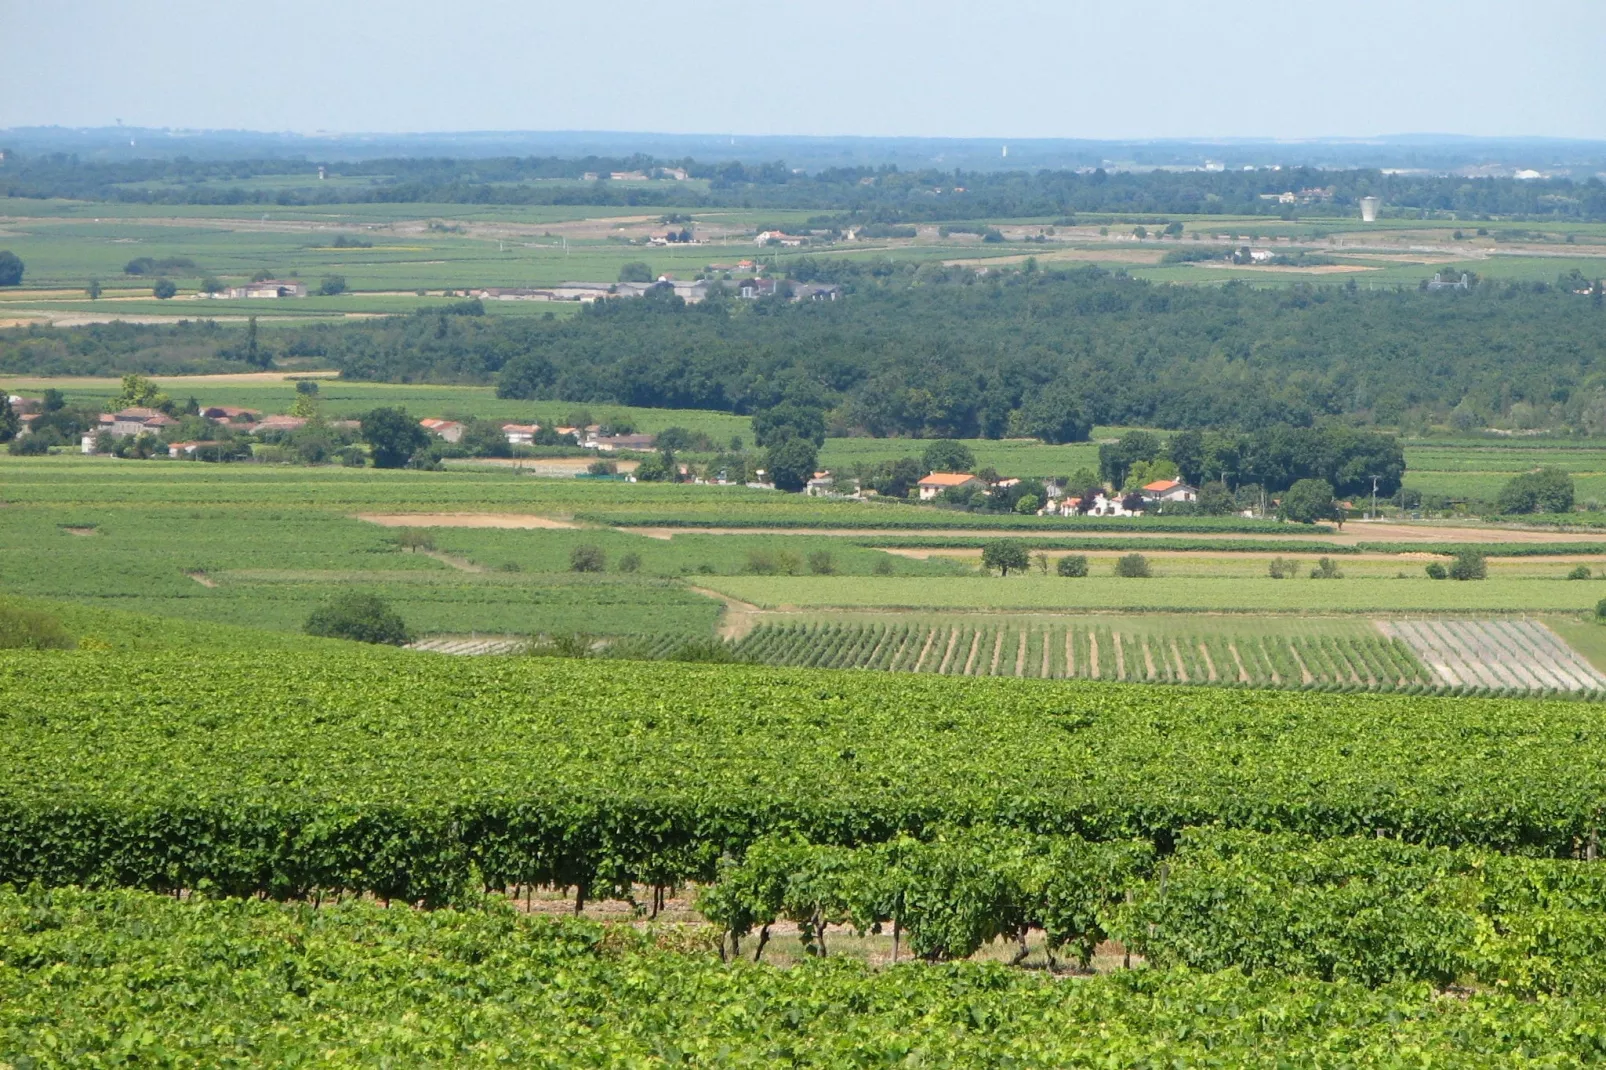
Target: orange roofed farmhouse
937, 482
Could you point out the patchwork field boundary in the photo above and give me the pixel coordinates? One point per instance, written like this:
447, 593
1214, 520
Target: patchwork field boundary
1520, 654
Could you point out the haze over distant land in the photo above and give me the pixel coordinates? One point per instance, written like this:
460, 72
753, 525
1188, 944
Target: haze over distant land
1133, 71
1430, 152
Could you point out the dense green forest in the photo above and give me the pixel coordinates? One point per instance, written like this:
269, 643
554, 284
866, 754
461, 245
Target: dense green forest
850, 194
946, 352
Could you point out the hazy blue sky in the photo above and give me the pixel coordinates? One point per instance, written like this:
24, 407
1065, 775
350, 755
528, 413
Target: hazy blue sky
1115, 69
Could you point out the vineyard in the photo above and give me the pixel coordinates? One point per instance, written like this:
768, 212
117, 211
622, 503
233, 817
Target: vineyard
142, 979
401, 775
1294, 878
1092, 651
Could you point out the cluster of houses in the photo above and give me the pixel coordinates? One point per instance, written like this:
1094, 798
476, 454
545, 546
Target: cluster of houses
935, 484
692, 292
591, 436
135, 421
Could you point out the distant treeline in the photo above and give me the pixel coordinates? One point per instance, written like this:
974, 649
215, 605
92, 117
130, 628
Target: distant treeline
938, 352
883, 195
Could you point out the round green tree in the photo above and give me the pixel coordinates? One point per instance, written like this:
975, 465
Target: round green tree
364, 618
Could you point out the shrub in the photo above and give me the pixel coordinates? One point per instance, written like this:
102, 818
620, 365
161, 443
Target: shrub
1281, 568
1072, 565
1600, 610
1547, 490
1580, 572
821, 563
1326, 569
588, 559
22, 628
1437, 571
630, 562
773, 562
1468, 565
884, 566
563, 645
414, 539
364, 618
1133, 566
164, 289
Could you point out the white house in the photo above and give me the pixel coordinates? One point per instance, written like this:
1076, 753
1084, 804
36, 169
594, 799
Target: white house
520, 434
938, 482
267, 288
1103, 505
823, 485
1169, 490
449, 430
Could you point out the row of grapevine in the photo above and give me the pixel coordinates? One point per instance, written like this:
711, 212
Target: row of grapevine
1094, 652
131, 978
413, 778
1367, 910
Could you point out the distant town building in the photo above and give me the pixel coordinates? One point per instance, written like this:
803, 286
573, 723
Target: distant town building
266, 288
449, 430
938, 482
520, 434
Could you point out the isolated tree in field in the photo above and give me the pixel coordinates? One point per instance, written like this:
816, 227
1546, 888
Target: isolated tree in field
791, 464
1548, 490
1469, 565
93, 289
211, 284
11, 268
331, 285
254, 355
164, 289
392, 436
1133, 567
365, 618
821, 563
588, 559
1072, 566
1308, 501
1005, 554
948, 455
635, 271
1600, 611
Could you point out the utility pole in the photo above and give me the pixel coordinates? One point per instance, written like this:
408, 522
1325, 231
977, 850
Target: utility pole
1374, 499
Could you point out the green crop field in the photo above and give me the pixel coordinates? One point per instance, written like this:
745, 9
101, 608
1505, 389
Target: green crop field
1181, 592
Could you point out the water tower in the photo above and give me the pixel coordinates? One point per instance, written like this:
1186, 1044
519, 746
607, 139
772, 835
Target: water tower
1369, 207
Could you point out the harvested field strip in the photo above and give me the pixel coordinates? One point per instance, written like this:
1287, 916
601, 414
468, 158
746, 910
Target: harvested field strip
1506, 654
1052, 650
468, 644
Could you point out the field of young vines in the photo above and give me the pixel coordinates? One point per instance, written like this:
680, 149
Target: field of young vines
1094, 651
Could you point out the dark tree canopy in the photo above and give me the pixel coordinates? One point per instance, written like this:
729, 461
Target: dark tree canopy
948, 455
1308, 501
393, 437
365, 618
1548, 490
11, 268
791, 464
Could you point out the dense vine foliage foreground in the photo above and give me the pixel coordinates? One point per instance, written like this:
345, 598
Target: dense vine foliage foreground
415, 776
131, 978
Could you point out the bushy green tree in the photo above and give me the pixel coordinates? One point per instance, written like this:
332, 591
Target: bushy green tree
791, 464
1308, 501
635, 271
1469, 565
1548, 490
588, 559
25, 628
948, 455
392, 436
778, 423
364, 618
1133, 566
330, 285
164, 289
11, 268
1004, 555
1072, 565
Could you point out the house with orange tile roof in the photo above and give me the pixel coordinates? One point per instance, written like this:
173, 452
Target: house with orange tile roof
1169, 490
938, 482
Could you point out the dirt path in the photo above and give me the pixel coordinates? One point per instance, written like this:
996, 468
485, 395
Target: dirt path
202, 578
739, 618
462, 564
